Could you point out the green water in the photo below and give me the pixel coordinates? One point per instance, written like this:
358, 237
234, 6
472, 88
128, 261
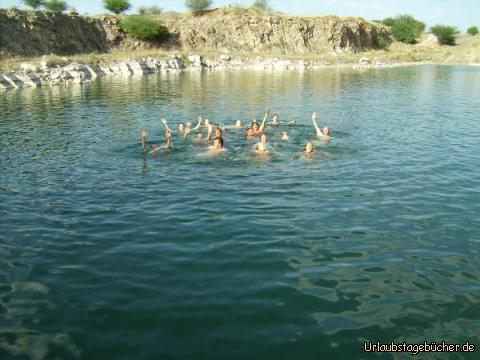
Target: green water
109, 254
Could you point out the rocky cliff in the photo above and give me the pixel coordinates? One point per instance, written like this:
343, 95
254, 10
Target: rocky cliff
34, 33
37, 33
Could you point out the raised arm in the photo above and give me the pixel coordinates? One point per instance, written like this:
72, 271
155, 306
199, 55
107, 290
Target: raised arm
210, 131
198, 125
168, 135
143, 135
262, 126
317, 128
166, 125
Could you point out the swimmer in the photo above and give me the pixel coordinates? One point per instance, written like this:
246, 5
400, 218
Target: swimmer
285, 136
261, 146
189, 127
143, 136
218, 132
217, 145
238, 125
323, 133
308, 149
275, 120
256, 130
181, 127
167, 146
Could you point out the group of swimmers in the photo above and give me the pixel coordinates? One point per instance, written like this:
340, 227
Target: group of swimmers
216, 135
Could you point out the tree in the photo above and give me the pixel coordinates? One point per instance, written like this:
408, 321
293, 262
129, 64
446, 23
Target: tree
404, 33
35, 4
152, 10
405, 28
198, 6
56, 5
473, 30
445, 34
117, 6
262, 5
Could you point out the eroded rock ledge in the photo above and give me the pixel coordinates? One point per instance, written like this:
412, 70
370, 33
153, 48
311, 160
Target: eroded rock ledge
49, 74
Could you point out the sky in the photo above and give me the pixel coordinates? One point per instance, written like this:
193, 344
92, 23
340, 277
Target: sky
460, 13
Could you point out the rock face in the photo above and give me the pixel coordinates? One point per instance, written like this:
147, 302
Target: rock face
277, 34
37, 33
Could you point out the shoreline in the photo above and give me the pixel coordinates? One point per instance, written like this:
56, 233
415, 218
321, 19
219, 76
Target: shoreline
48, 73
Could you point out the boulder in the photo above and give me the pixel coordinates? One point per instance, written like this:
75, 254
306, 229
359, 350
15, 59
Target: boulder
26, 67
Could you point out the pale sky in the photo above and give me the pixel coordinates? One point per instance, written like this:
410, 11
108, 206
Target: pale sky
460, 13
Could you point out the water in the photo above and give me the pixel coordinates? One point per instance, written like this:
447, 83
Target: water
105, 253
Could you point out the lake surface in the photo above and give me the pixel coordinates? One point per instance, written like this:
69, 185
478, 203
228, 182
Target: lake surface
109, 254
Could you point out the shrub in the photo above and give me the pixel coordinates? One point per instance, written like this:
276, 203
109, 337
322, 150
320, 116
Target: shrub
405, 28
403, 33
144, 28
262, 5
152, 10
473, 30
445, 34
35, 4
116, 6
56, 5
198, 6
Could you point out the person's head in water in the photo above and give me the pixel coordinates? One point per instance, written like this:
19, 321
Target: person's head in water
200, 136
218, 132
263, 138
218, 142
181, 126
308, 148
238, 124
255, 126
326, 131
275, 119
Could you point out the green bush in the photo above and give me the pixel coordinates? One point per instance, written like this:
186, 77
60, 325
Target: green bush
473, 30
56, 5
116, 6
404, 33
144, 28
445, 34
198, 6
152, 10
35, 4
405, 28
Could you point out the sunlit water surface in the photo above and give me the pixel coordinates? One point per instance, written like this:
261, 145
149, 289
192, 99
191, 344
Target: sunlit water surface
105, 253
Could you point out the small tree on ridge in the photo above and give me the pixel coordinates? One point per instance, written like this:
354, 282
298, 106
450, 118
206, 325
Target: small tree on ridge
473, 30
262, 5
116, 6
56, 5
198, 6
34, 4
